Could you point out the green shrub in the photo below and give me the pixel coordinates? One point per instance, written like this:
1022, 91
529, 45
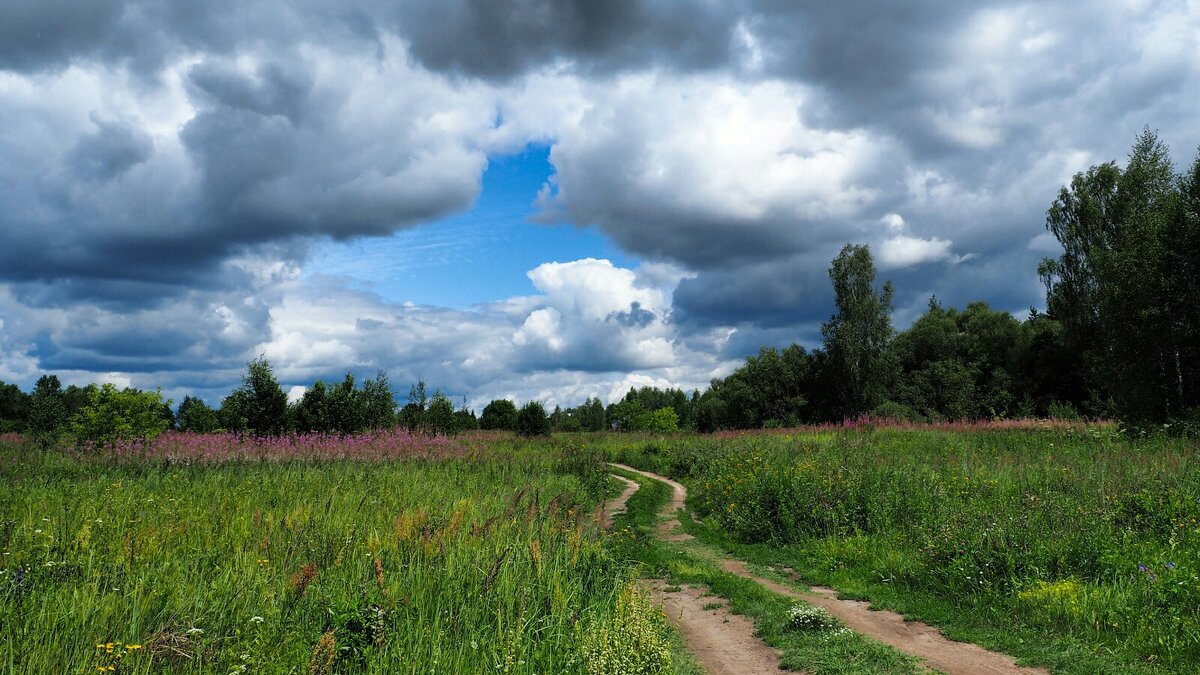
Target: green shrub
532, 420
115, 415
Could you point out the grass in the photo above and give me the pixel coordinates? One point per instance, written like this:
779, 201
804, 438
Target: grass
825, 652
399, 564
1071, 547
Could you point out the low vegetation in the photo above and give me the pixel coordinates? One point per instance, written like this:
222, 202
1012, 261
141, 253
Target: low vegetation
424, 558
1071, 545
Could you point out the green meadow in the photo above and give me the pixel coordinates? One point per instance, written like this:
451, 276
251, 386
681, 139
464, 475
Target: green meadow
1074, 547
487, 563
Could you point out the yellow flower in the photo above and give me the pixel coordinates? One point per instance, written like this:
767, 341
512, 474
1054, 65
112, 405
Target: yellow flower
133, 647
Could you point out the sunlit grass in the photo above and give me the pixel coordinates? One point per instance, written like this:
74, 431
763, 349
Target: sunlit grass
1071, 533
486, 564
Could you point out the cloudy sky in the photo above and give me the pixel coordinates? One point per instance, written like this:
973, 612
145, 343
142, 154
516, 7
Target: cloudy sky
536, 199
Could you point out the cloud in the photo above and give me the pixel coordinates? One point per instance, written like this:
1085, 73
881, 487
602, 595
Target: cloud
900, 249
165, 168
505, 39
704, 170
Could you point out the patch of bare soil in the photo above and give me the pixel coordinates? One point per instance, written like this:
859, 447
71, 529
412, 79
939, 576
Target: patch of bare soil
912, 637
607, 510
723, 642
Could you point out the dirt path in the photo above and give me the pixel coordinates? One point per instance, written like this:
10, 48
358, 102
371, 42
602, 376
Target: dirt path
913, 637
605, 512
723, 642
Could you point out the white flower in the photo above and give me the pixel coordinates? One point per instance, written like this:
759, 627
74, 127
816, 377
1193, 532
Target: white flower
193, 630
809, 617
256, 619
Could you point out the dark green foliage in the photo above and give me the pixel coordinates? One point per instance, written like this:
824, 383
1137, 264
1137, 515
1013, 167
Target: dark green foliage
464, 418
14, 408
532, 420
440, 418
856, 337
343, 409
1125, 286
378, 403
499, 414
47, 411
196, 416
259, 406
412, 415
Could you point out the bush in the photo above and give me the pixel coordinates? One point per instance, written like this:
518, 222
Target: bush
532, 420
121, 415
499, 414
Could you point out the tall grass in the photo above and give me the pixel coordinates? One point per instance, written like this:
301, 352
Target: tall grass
1072, 530
410, 565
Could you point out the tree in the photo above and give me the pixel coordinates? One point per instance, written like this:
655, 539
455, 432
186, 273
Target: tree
345, 408
664, 420
116, 415
259, 405
47, 411
499, 414
14, 408
412, 415
379, 403
439, 419
1124, 286
857, 337
197, 417
311, 413
532, 420
591, 415
464, 418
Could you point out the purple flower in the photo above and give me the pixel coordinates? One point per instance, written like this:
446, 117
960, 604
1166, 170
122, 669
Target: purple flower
1142, 568
1170, 565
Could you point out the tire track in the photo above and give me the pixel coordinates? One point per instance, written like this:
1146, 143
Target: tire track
913, 637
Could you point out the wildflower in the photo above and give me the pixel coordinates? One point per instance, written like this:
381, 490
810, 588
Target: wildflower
1142, 568
1170, 565
256, 619
302, 578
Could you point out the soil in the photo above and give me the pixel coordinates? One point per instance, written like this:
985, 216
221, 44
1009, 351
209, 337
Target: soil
723, 642
607, 510
912, 637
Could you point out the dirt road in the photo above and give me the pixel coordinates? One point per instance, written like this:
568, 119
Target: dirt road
912, 637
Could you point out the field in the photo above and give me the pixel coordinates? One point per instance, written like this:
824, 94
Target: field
408, 557
1068, 546
1071, 546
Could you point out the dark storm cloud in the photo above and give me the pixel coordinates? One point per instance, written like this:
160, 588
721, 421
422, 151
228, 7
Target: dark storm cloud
505, 38
110, 151
36, 34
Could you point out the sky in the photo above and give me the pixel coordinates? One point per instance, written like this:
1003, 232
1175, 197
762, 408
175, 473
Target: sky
535, 199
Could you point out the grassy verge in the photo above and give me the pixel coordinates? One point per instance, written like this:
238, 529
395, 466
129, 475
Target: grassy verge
821, 652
